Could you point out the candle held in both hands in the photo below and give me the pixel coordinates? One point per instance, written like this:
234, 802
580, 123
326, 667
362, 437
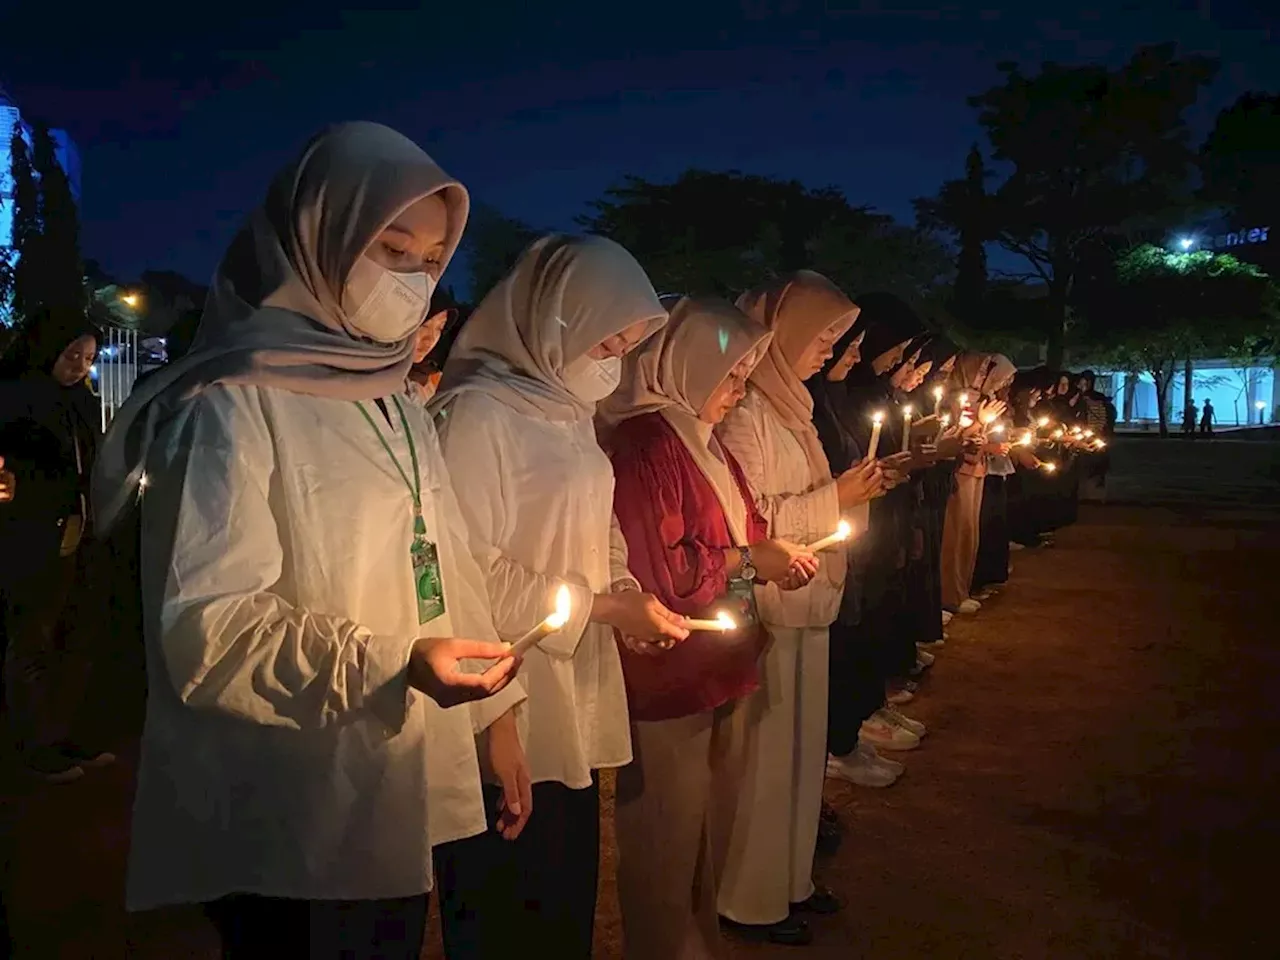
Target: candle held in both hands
557, 619
723, 623
843, 532
877, 421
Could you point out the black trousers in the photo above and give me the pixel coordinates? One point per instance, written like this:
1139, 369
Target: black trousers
535, 895
856, 686
270, 928
992, 564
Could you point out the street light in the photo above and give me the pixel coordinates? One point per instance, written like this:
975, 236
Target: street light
1186, 243
1261, 405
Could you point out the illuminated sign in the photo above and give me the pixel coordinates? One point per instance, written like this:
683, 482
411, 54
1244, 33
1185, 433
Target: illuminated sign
1237, 238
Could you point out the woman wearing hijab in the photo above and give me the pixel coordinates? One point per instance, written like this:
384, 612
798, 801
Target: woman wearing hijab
768, 880
975, 373
305, 577
876, 387
924, 598
515, 410
696, 539
991, 564
50, 430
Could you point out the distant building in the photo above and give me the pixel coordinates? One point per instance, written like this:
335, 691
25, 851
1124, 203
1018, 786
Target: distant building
68, 159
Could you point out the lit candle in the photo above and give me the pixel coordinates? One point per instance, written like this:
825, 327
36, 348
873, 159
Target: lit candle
1042, 422
557, 619
723, 623
943, 422
906, 428
937, 400
1088, 433
1048, 467
843, 532
1057, 434
877, 419
1027, 438
997, 428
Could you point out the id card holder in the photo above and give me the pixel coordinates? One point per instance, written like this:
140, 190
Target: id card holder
427, 582
740, 602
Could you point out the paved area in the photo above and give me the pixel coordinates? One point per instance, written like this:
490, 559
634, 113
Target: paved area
1099, 779
1203, 470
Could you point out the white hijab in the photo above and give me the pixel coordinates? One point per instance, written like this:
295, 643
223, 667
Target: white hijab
564, 296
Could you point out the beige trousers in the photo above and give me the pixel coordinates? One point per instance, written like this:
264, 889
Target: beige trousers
960, 539
770, 860
675, 807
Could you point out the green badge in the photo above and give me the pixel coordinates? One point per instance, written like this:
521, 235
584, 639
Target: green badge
428, 584
740, 603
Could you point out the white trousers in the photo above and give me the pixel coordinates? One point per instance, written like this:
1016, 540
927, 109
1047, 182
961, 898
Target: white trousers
770, 858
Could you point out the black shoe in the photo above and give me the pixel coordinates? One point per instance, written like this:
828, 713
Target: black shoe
829, 837
829, 814
821, 902
791, 932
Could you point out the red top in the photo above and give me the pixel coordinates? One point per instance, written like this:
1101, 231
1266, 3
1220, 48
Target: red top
676, 533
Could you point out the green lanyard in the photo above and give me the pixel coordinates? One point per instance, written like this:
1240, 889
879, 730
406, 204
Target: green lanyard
415, 487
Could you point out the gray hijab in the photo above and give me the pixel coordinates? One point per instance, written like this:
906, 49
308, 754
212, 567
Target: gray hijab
274, 315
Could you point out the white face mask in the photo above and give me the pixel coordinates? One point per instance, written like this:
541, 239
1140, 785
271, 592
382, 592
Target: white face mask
386, 306
592, 380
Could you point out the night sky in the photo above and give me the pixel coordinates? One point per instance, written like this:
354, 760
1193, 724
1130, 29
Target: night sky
181, 125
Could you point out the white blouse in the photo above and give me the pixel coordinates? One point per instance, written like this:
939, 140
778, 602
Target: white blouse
284, 753
777, 471
537, 496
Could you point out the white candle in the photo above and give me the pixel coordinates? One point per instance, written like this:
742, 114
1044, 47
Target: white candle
943, 422
1049, 467
554, 622
723, 623
843, 532
906, 428
877, 419
937, 400
997, 428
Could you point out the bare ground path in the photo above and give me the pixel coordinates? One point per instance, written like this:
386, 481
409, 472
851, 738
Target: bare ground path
1100, 779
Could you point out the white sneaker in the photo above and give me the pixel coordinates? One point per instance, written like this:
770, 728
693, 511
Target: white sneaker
897, 717
924, 656
946, 617
884, 735
904, 694
860, 769
969, 605
1016, 546
873, 755
932, 644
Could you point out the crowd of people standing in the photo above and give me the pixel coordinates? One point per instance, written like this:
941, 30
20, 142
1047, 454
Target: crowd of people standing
402, 605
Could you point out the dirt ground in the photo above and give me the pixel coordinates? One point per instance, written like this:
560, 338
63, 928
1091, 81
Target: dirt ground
1099, 780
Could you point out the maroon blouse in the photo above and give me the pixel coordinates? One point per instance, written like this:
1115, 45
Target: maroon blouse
676, 533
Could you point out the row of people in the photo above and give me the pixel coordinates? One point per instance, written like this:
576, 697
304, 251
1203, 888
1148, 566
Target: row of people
333, 576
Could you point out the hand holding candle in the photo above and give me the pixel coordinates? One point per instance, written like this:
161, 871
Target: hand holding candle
555, 620
843, 532
877, 421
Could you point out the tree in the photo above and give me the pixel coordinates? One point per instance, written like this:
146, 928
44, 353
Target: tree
971, 264
1087, 150
60, 268
719, 233
492, 244
1240, 159
25, 277
1162, 308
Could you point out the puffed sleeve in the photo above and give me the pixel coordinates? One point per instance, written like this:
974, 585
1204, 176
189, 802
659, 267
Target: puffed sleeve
229, 642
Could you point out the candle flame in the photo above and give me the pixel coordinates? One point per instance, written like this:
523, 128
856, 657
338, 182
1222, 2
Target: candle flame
144, 481
1043, 422
998, 428
937, 393
877, 417
563, 609
1049, 467
946, 419
726, 622
843, 530
906, 411
1088, 433
1026, 440
1101, 444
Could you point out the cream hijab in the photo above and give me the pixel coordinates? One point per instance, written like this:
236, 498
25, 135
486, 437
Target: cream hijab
987, 373
274, 316
675, 373
798, 309
564, 296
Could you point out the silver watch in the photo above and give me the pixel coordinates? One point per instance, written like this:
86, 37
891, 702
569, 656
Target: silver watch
748, 568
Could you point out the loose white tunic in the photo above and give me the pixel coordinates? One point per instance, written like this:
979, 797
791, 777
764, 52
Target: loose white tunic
284, 753
537, 495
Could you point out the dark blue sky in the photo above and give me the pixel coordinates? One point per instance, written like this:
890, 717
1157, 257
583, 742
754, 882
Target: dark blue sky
181, 125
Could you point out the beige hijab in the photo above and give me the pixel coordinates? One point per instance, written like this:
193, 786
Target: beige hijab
274, 316
985, 373
675, 373
798, 309
564, 296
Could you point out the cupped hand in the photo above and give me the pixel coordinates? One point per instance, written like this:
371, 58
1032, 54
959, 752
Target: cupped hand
435, 668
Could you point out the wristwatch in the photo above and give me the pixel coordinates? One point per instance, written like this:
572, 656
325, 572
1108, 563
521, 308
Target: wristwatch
748, 571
